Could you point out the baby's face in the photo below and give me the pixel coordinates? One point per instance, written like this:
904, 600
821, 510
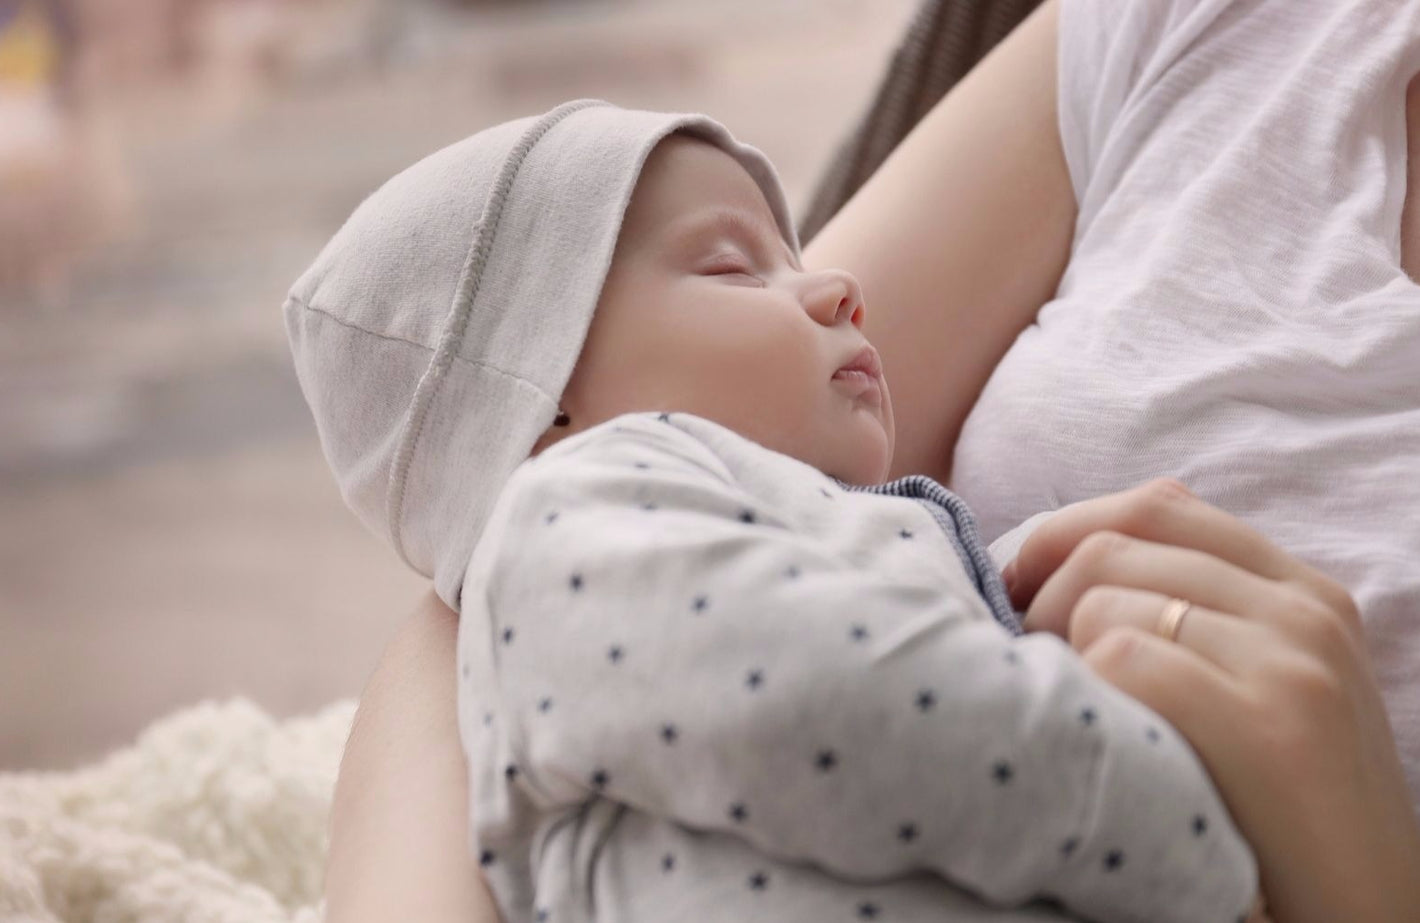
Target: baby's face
718, 319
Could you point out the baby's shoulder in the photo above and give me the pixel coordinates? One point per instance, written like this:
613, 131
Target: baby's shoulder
614, 464
634, 442
596, 483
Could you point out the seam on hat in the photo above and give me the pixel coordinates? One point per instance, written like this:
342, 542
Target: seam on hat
464, 295
416, 344
349, 325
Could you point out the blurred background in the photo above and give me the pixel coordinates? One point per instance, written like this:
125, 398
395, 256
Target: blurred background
168, 529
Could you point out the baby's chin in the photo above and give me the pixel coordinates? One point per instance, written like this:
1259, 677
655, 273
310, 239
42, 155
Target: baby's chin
863, 461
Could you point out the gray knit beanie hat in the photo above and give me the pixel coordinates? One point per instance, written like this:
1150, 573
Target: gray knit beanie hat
435, 333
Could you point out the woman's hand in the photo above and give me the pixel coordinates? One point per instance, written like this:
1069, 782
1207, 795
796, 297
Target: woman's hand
399, 824
1268, 680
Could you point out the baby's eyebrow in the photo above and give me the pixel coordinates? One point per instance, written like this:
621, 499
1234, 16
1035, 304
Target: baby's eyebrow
733, 221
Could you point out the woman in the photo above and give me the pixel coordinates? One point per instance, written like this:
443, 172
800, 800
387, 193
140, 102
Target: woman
1267, 675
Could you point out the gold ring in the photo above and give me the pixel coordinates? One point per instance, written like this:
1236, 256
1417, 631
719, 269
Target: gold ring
1171, 619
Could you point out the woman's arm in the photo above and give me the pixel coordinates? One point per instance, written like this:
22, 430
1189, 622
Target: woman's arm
959, 238
1268, 679
399, 825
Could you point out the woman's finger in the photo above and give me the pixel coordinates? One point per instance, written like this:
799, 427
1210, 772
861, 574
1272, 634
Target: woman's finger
1162, 510
1165, 512
1114, 559
1198, 698
1230, 643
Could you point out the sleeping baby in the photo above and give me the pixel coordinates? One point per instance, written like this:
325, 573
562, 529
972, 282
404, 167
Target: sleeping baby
711, 667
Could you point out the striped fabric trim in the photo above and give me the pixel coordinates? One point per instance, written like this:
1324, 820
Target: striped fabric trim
959, 525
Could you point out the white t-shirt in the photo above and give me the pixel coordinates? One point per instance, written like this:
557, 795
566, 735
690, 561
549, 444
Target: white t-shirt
1234, 312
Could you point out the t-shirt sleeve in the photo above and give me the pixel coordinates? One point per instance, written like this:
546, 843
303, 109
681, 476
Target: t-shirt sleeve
661, 638
1110, 54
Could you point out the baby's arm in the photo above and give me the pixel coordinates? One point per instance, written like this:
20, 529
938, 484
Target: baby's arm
698, 660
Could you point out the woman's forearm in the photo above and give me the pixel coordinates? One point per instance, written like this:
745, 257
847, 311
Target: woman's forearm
399, 842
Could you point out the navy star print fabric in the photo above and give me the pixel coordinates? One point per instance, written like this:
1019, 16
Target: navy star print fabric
701, 680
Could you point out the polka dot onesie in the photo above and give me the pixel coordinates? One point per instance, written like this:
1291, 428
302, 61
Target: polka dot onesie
701, 680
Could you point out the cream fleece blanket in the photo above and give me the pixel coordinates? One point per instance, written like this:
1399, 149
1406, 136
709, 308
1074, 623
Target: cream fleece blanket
217, 813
